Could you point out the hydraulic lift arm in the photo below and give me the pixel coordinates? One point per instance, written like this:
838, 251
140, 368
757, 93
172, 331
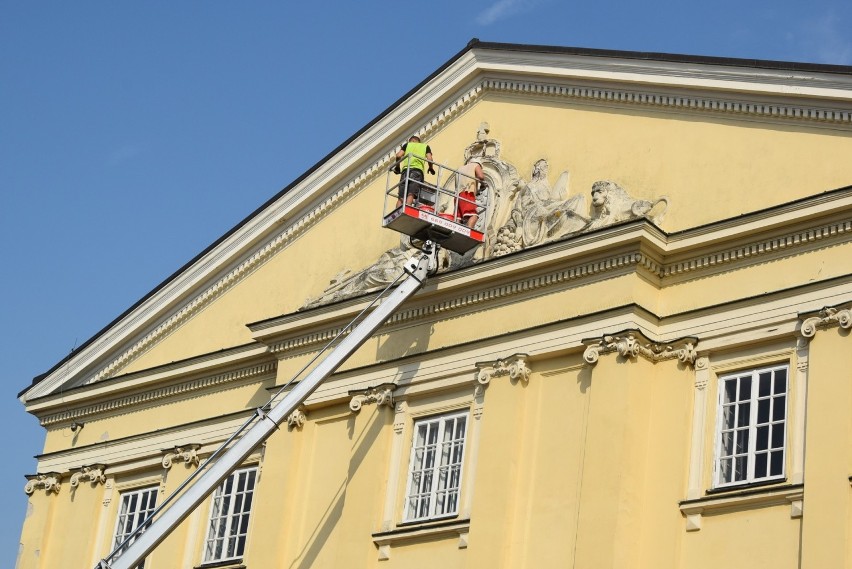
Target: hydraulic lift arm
155, 531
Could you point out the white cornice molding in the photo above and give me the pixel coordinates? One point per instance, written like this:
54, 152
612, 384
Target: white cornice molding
464, 81
636, 246
157, 393
693, 75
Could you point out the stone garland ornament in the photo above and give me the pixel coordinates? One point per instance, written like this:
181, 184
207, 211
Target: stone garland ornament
380, 395
514, 366
49, 481
519, 214
93, 474
188, 454
828, 317
632, 344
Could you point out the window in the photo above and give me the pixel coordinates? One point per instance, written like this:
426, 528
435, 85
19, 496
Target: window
751, 433
229, 516
135, 508
434, 472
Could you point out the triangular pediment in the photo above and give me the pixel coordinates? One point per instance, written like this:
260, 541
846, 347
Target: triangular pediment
656, 135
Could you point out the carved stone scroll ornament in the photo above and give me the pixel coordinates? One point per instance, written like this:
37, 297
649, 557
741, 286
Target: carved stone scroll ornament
380, 395
188, 454
49, 481
297, 419
828, 317
93, 474
514, 366
632, 344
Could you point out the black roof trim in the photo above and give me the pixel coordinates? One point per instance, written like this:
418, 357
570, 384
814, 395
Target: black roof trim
474, 43
671, 57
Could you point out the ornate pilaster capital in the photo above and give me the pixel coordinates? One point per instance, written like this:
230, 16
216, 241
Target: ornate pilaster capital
297, 419
188, 454
91, 473
515, 366
380, 395
828, 317
49, 481
631, 344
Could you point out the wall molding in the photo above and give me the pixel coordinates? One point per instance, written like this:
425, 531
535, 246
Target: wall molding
152, 395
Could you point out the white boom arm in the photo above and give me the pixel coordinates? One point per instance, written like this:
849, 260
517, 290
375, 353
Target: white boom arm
418, 270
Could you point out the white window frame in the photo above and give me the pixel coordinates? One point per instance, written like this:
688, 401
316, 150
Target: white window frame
435, 508
148, 495
231, 534
741, 431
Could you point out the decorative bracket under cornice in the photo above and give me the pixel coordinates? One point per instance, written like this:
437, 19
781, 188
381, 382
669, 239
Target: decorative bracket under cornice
92, 473
188, 454
631, 344
515, 366
380, 395
298, 418
50, 481
828, 317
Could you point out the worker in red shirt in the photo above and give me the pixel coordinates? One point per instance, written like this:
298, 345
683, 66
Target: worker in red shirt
471, 177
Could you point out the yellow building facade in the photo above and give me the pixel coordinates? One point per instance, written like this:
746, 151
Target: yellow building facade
645, 365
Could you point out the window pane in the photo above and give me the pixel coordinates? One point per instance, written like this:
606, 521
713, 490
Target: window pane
745, 388
740, 468
743, 414
763, 411
760, 461
742, 441
730, 391
762, 438
780, 381
727, 443
779, 408
777, 463
777, 436
728, 414
765, 384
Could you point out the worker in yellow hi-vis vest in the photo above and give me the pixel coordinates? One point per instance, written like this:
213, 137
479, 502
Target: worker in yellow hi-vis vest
415, 157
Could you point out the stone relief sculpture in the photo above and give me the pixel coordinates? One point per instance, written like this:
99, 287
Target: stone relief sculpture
518, 214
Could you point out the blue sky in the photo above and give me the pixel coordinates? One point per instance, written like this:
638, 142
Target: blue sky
134, 135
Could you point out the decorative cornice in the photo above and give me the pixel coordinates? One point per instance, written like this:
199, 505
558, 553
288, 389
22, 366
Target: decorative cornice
515, 366
380, 395
297, 419
828, 317
50, 481
753, 252
792, 239
92, 473
160, 393
491, 294
188, 454
705, 104
631, 344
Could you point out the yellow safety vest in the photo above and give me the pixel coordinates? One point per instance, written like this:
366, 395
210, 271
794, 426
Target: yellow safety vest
414, 151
